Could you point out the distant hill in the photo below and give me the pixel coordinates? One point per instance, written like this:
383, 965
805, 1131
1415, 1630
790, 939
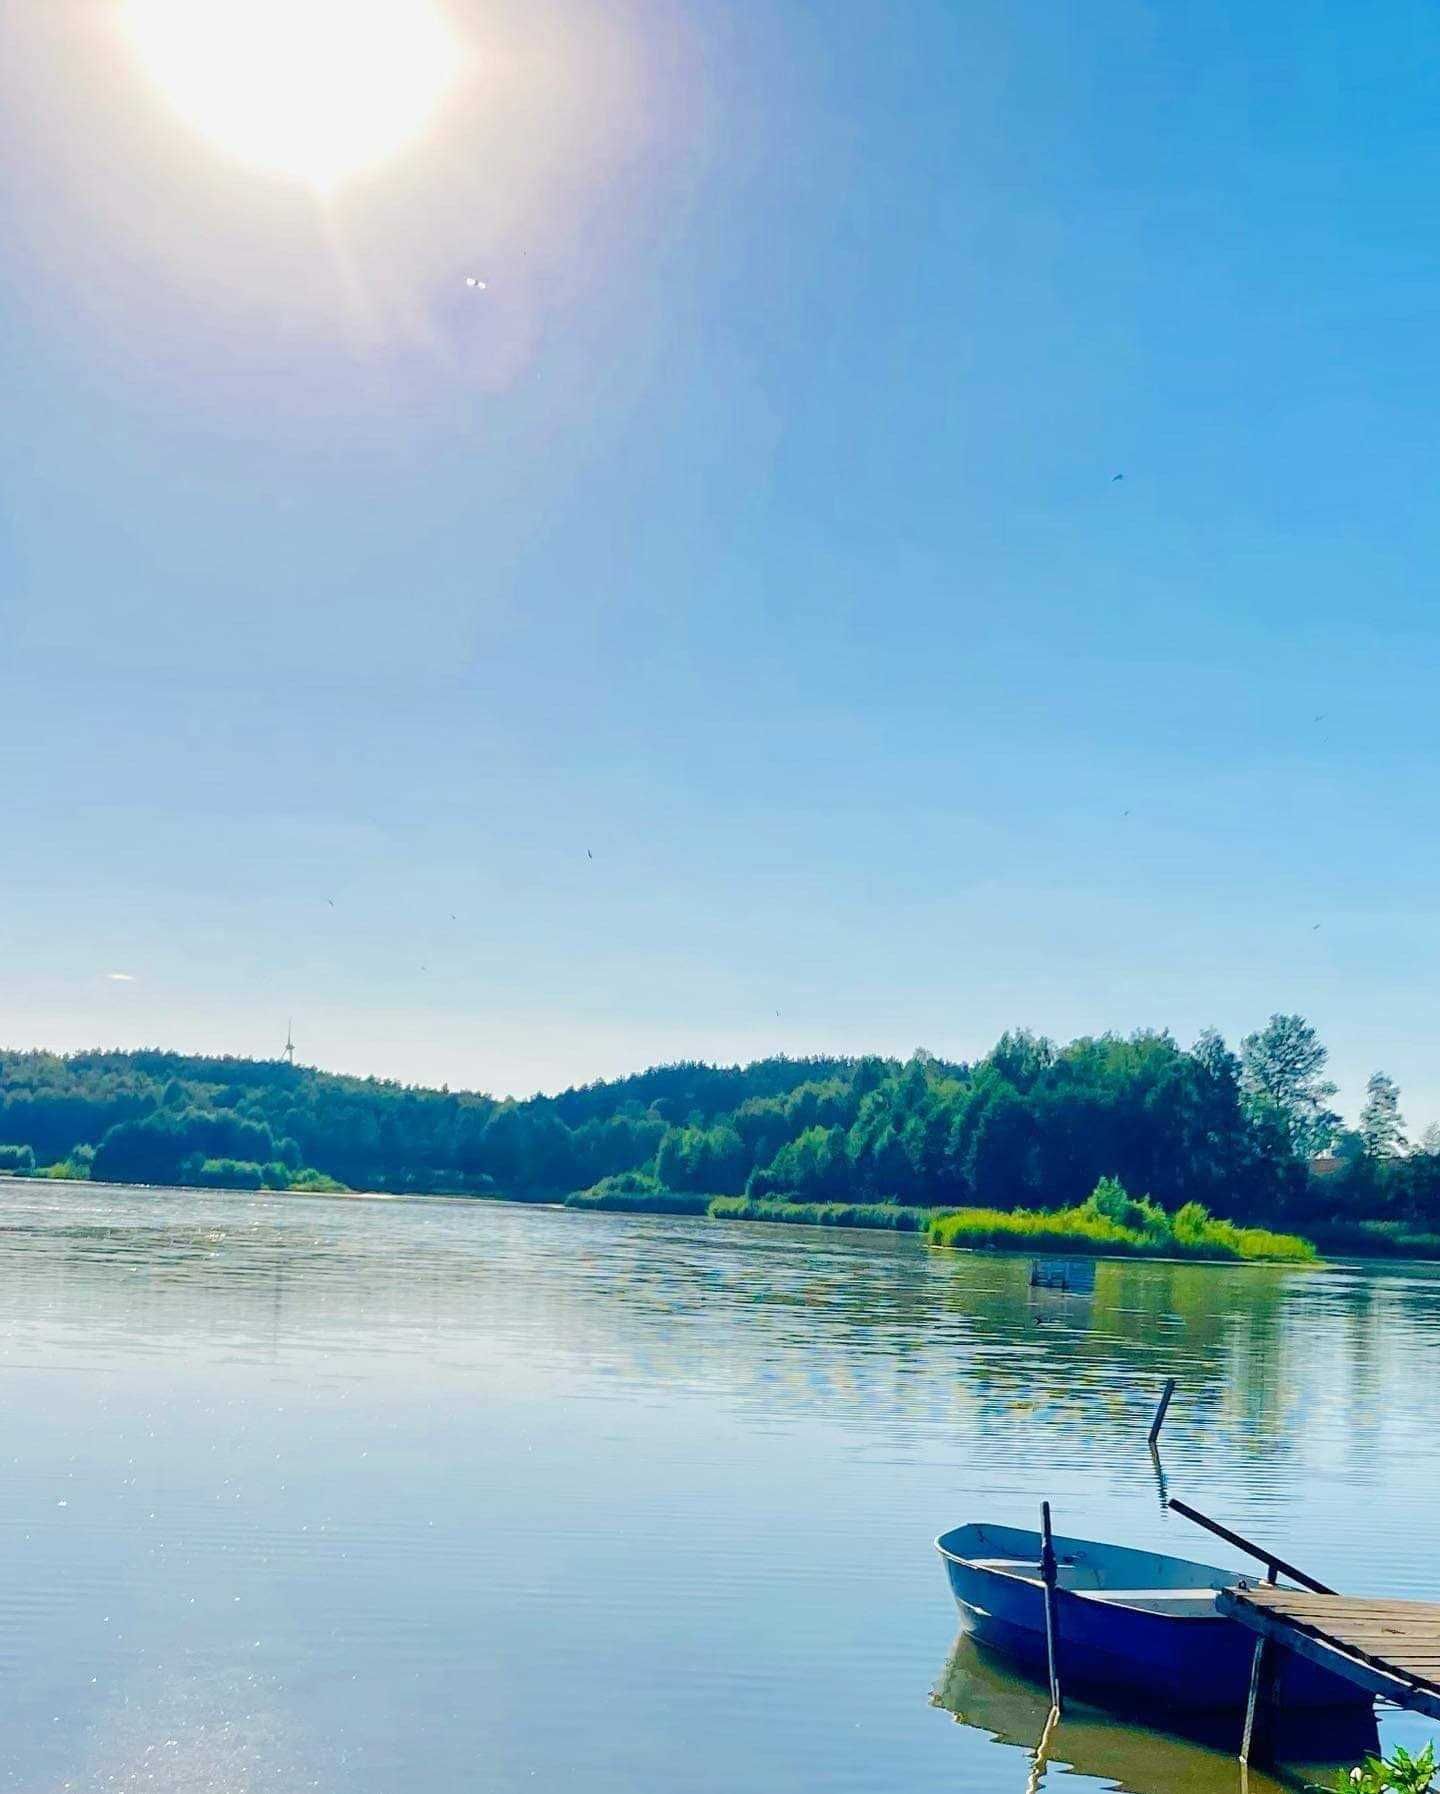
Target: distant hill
1030, 1125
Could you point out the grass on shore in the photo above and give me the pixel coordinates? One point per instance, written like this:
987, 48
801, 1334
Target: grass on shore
1111, 1222
639, 1202
1377, 1239
887, 1215
640, 1193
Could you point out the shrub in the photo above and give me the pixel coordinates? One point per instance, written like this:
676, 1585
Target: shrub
75, 1169
1400, 1774
1190, 1222
1111, 1201
317, 1183
18, 1161
627, 1183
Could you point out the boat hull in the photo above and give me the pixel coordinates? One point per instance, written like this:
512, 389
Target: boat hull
1145, 1661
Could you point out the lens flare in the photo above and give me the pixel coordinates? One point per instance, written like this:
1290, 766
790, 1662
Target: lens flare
314, 90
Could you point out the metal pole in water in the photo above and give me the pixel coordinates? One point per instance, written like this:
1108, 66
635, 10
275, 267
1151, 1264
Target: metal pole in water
1261, 1695
1050, 1577
1162, 1410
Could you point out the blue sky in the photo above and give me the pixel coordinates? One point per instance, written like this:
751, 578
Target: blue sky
754, 531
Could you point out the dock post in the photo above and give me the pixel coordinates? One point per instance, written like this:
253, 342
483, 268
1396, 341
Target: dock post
1161, 1411
1261, 1698
1050, 1576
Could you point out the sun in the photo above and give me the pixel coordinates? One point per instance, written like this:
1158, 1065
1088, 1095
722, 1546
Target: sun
314, 90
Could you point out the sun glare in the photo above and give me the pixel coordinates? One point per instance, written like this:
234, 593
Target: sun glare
315, 90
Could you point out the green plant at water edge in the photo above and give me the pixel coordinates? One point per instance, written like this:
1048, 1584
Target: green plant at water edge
73, 1169
18, 1161
1110, 1221
316, 1182
245, 1174
223, 1174
891, 1216
1397, 1774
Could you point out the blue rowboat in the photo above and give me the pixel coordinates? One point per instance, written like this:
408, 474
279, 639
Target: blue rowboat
1135, 1628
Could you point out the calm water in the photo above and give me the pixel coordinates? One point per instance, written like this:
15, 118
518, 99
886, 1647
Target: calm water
381, 1496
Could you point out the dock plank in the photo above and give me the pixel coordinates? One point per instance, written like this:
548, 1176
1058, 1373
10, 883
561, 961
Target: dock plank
1389, 1647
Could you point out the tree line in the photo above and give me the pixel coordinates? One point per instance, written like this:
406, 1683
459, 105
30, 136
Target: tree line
1031, 1124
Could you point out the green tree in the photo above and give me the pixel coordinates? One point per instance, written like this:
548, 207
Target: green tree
1214, 1058
999, 1164
813, 1166
1031, 1124
697, 1158
1281, 1070
1021, 1057
1382, 1127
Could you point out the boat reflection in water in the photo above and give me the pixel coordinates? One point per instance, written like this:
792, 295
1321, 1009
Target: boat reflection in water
980, 1690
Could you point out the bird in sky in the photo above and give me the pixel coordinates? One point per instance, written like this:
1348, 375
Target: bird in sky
1116, 476
471, 281
331, 902
1313, 929
588, 854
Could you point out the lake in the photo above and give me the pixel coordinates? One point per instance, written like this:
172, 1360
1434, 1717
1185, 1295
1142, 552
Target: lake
371, 1496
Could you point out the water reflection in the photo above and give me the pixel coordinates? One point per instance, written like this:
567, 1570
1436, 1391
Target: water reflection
1162, 1486
980, 1692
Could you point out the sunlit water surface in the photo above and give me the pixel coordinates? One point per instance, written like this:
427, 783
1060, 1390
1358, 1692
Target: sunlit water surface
373, 1496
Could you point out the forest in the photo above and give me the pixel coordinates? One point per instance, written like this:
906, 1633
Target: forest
1247, 1132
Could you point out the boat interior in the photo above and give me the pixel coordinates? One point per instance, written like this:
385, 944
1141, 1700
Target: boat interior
1109, 1573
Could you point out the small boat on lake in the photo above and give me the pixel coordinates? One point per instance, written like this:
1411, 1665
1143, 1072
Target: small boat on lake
1135, 1628
1075, 1275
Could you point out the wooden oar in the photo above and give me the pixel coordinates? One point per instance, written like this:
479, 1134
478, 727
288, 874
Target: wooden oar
1276, 1565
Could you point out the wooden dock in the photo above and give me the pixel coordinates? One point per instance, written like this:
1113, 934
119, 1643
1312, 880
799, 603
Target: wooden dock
1390, 1648
1387, 1648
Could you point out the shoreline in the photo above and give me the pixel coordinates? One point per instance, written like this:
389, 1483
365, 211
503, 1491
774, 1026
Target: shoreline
906, 1220
1334, 1243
